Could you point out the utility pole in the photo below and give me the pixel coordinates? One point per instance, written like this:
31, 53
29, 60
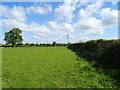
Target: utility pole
68, 38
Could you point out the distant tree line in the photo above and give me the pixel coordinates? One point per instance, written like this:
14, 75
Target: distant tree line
14, 38
35, 45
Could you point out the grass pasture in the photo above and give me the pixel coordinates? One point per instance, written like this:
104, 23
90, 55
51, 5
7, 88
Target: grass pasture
49, 67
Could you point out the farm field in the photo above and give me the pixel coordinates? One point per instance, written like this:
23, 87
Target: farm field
49, 67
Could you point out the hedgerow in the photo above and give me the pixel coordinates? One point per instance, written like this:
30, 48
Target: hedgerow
35, 45
103, 52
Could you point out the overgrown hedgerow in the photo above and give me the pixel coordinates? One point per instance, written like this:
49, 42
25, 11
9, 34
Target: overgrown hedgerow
104, 52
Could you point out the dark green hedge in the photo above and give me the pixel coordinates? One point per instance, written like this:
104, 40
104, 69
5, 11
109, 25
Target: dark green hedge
104, 52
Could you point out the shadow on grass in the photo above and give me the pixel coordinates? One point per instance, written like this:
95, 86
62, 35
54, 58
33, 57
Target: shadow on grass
104, 64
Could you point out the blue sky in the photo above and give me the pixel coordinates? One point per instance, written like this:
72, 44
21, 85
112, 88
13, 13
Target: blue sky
45, 22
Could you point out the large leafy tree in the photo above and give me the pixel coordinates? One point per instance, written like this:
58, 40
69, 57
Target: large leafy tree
13, 36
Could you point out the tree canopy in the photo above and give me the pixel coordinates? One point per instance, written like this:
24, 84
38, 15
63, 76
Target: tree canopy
54, 43
13, 36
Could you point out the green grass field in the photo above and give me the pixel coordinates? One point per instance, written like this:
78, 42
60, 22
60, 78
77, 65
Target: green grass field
49, 67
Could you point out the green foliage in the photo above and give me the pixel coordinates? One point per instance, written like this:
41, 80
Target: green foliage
13, 36
7, 45
49, 67
36, 45
54, 43
106, 52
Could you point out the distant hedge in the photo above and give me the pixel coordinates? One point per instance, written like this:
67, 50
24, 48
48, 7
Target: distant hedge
35, 45
104, 52
7, 45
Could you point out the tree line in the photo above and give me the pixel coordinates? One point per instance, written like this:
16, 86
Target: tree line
14, 38
35, 45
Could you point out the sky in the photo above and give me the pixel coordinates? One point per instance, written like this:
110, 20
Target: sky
45, 22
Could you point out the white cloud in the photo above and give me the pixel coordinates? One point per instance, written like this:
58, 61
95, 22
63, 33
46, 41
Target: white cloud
39, 9
90, 10
17, 13
88, 24
51, 29
60, 27
109, 17
65, 11
95, 26
32, 27
94, 6
95, 32
37, 37
84, 14
12, 23
81, 38
15, 17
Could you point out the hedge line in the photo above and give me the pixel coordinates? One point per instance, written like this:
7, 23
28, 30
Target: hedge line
103, 52
33, 45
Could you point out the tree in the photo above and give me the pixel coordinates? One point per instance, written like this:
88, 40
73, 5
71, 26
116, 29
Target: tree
54, 43
13, 36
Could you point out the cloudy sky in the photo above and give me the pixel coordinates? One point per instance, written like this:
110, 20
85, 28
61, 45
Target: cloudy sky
45, 22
